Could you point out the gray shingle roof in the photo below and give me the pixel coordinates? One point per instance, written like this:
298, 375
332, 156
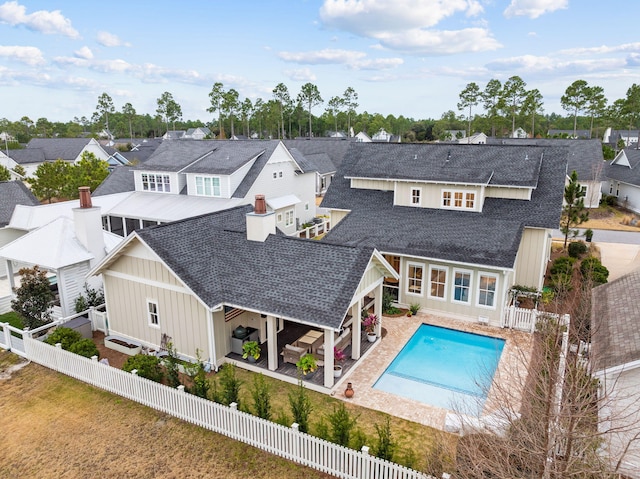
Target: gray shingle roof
118, 181
227, 157
627, 174
28, 155
491, 237
334, 148
176, 155
322, 163
14, 193
585, 156
252, 175
615, 336
64, 148
284, 276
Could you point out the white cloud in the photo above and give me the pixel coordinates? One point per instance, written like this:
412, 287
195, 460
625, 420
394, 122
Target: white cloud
43, 21
303, 74
441, 42
538, 65
371, 17
326, 56
28, 55
377, 64
85, 52
534, 8
603, 49
107, 39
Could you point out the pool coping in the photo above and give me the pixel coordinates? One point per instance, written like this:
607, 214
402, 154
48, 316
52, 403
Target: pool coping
511, 369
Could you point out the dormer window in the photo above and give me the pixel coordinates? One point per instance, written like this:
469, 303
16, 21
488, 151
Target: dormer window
207, 186
464, 200
415, 196
152, 182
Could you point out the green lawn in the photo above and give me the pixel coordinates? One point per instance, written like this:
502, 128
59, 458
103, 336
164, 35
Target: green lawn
12, 318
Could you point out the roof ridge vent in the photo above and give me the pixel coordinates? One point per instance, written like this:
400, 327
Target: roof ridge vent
526, 156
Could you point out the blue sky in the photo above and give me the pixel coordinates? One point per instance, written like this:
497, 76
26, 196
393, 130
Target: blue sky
410, 57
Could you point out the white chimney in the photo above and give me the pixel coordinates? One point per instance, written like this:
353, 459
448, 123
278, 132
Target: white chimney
88, 225
260, 223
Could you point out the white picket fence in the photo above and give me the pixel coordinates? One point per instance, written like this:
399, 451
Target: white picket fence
283, 441
525, 319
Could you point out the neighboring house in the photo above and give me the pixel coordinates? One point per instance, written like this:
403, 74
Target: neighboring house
116, 158
66, 248
4, 136
186, 178
585, 158
475, 139
174, 135
322, 155
519, 133
383, 136
141, 150
199, 133
12, 193
629, 137
363, 137
580, 134
196, 280
622, 179
615, 359
461, 224
41, 150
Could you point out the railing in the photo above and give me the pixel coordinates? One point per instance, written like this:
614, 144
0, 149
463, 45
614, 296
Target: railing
315, 230
525, 319
287, 442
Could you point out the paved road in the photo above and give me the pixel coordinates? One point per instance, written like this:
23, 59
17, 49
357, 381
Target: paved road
609, 236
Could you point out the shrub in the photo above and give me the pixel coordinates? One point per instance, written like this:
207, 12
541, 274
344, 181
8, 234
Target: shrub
90, 297
592, 269
261, 395
385, 445
147, 367
609, 200
387, 303
230, 385
342, 422
300, 407
171, 365
414, 308
85, 347
563, 264
577, 249
201, 384
65, 336
561, 283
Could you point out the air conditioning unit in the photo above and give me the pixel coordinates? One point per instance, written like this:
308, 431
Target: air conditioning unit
483, 320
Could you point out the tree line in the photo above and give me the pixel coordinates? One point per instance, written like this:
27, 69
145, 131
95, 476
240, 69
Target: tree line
506, 106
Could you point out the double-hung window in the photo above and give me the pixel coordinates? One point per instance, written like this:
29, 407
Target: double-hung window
207, 186
487, 284
438, 282
288, 218
464, 200
151, 182
415, 196
152, 313
414, 278
461, 286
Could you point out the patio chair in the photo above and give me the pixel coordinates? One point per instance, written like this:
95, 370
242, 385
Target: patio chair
292, 354
340, 342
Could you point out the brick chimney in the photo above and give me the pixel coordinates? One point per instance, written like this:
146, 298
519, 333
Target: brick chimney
87, 220
260, 223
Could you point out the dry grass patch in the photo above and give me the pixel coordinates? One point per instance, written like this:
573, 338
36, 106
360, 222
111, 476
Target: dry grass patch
53, 426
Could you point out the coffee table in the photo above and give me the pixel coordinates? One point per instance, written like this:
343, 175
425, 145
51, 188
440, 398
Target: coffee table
311, 340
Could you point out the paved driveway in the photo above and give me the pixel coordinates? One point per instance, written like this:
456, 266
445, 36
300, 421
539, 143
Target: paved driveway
619, 258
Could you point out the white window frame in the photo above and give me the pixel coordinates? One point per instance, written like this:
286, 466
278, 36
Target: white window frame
415, 198
161, 183
153, 316
289, 218
212, 186
279, 218
450, 202
454, 286
277, 175
484, 274
411, 291
446, 277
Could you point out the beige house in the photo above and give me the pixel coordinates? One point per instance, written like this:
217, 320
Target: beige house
196, 281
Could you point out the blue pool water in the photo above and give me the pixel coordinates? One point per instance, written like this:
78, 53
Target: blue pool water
444, 368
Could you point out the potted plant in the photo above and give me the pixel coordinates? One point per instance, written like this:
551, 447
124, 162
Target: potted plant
307, 365
414, 308
251, 351
588, 235
369, 324
339, 357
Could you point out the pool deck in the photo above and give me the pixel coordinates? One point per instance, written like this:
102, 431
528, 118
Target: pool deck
511, 369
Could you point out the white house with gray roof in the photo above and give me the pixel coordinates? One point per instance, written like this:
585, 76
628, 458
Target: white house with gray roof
623, 179
41, 150
198, 279
217, 174
461, 224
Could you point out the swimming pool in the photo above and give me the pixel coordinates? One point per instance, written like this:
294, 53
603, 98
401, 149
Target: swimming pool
444, 367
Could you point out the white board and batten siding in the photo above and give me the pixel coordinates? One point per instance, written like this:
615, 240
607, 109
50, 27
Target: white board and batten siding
508, 193
132, 281
533, 254
372, 184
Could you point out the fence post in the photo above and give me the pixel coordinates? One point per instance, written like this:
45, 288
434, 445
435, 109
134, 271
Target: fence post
6, 333
295, 446
234, 419
365, 469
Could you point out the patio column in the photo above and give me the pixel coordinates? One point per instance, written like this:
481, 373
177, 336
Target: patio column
12, 282
272, 342
377, 307
356, 331
328, 358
